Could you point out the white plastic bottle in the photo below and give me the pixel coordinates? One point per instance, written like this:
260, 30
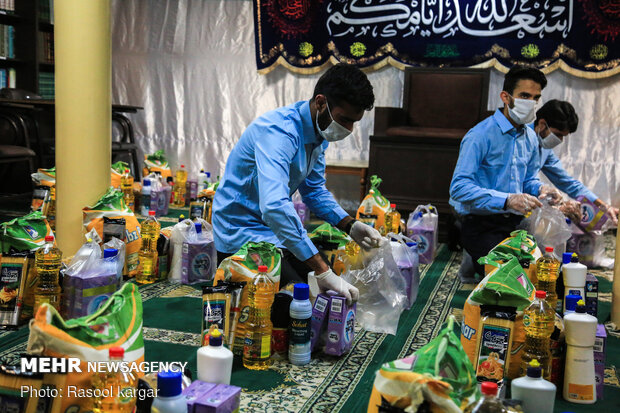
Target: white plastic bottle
202, 180
536, 393
215, 361
300, 312
145, 201
169, 398
579, 380
574, 275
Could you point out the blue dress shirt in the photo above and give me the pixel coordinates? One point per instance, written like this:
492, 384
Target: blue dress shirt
277, 154
496, 159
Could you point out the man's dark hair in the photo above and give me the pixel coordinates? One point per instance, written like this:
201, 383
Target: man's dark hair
346, 83
517, 73
559, 115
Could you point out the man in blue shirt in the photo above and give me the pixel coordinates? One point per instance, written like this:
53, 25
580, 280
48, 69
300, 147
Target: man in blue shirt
495, 180
555, 120
279, 153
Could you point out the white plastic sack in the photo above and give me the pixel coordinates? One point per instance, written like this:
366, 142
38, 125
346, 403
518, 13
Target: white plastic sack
548, 226
87, 257
177, 237
382, 290
408, 262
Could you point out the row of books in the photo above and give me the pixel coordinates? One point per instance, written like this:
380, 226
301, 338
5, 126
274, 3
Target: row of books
7, 78
46, 10
7, 41
46, 85
46, 51
7, 6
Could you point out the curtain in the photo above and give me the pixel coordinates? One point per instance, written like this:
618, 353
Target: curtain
191, 65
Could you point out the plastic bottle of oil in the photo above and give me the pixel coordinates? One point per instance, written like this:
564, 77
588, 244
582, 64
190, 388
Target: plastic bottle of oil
147, 255
179, 187
392, 220
257, 345
127, 189
538, 321
489, 402
114, 390
47, 261
547, 272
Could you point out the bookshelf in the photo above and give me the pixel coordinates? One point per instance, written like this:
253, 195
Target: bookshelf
27, 45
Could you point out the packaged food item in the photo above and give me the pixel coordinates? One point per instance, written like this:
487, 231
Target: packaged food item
236, 291
331, 242
40, 198
13, 272
113, 228
340, 326
319, 318
25, 233
156, 162
163, 252
494, 342
215, 310
524, 248
600, 349
374, 206
223, 398
195, 391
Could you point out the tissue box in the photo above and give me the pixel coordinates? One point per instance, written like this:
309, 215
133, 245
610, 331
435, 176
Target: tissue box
599, 359
425, 237
198, 262
592, 217
319, 316
88, 293
340, 326
195, 391
591, 290
221, 399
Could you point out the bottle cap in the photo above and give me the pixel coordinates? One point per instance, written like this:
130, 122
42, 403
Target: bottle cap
393, 206
208, 174
568, 221
49, 238
533, 369
412, 244
549, 249
489, 388
571, 301
574, 257
169, 179
169, 383
541, 294
202, 170
581, 307
151, 213
566, 257
215, 338
146, 182
116, 352
181, 217
301, 291
182, 166
262, 268
198, 227
110, 252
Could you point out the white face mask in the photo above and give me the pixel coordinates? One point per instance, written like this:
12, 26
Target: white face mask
524, 111
334, 132
551, 141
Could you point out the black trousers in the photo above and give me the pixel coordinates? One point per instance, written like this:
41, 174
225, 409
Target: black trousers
480, 233
292, 270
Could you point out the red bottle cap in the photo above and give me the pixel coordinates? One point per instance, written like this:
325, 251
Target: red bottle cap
262, 268
152, 213
116, 352
541, 294
489, 388
393, 206
49, 238
549, 249
182, 166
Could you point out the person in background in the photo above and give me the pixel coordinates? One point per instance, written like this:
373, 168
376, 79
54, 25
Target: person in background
555, 120
495, 181
279, 153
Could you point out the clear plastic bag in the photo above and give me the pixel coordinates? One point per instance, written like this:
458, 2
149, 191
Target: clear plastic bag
548, 226
382, 290
87, 257
407, 260
119, 260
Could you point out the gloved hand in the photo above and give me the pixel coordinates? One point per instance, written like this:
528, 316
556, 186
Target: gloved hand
610, 211
552, 195
330, 281
366, 236
572, 209
522, 203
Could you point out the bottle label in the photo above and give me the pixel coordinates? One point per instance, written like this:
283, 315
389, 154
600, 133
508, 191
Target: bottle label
300, 330
493, 353
580, 391
195, 211
146, 201
254, 349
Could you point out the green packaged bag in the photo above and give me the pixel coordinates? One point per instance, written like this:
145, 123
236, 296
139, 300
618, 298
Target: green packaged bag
24, 234
508, 285
520, 244
329, 237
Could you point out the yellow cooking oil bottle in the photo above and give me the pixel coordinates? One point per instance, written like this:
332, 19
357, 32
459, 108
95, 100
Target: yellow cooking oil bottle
179, 187
547, 272
127, 189
538, 322
257, 345
392, 220
114, 391
47, 261
147, 256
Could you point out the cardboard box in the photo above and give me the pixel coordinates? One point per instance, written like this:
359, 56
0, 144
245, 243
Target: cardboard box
591, 290
600, 345
195, 391
221, 399
340, 326
319, 318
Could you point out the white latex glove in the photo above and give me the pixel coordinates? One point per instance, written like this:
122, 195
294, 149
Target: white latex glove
610, 211
572, 209
522, 203
366, 236
330, 281
552, 195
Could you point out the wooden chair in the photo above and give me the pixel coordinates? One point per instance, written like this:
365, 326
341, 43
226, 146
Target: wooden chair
15, 141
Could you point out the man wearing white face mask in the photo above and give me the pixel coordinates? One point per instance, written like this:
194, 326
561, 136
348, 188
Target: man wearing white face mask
555, 120
279, 153
495, 180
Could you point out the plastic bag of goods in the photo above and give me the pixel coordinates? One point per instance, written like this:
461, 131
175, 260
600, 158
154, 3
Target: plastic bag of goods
198, 254
156, 162
374, 206
407, 259
548, 226
524, 248
331, 242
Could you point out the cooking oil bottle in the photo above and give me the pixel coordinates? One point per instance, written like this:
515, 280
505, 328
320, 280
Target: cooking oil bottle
47, 261
147, 255
114, 390
547, 272
538, 321
257, 345
179, 187
127, 189
489, 402
392, 220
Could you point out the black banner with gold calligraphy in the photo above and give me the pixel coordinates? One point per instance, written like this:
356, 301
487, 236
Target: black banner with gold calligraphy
581, 37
